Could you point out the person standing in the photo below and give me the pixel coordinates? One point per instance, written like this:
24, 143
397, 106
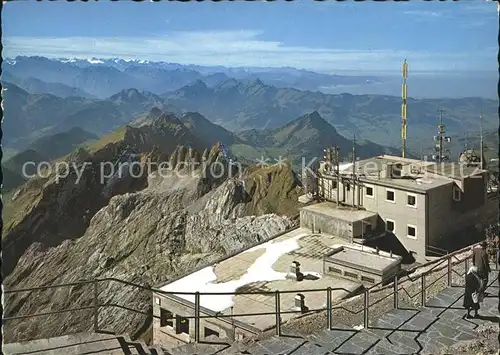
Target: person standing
481, 260
472, 290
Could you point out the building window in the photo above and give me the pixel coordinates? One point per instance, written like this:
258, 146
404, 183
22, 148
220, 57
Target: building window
389, 225
182, 325
334, 184
209, 332
412, 231
390, 195
456, 193
367, 279
348, 187
334, 270
166, 318
350, 274
369, 191
411, 200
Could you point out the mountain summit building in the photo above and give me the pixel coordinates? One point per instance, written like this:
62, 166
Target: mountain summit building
425, 205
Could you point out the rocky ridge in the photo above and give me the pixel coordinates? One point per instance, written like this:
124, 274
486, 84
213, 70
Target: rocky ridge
146, 229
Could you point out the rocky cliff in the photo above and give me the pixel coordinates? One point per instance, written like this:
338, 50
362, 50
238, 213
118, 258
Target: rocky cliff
146, 229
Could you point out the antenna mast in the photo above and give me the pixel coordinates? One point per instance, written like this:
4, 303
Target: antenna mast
403, 109
353, 170
440, 138
481, 147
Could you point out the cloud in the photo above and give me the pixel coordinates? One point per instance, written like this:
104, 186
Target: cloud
230, 48
425, 14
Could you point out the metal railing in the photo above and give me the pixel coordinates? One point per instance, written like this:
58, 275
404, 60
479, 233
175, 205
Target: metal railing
397, 286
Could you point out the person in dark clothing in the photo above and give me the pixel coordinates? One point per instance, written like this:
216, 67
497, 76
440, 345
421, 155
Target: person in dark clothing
482, 262
498, 311
472, 289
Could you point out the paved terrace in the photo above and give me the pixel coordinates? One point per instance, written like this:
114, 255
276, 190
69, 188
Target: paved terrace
429, 330
263, 269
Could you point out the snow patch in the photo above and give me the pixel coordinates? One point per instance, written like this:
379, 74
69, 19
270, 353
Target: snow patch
260, 271
95, 61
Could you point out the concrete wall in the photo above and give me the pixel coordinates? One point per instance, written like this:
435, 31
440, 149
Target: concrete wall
359, 228
343, 269
339, 269
167, 337
446, 219
402, 215
326, 224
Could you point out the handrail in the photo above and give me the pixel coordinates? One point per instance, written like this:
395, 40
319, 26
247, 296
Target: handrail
436, 261
438, 249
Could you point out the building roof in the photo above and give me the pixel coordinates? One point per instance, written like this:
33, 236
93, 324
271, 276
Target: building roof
363, 260
418, 175
344, 213
265, 268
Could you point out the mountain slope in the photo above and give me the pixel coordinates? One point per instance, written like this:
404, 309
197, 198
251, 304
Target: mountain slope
37, 86
203, 128
304, 137
60, 144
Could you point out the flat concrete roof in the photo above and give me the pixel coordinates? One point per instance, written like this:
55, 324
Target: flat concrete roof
344, 213
370, 170
365, 260
264, 268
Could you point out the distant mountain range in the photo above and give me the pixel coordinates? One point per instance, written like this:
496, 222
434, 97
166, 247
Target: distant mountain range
105, 77
31, 116
238, 106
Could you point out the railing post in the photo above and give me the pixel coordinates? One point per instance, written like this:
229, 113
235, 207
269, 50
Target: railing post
365, 309
466, 265
278, 312
329, 307
423, 290
396, 292
449, 272
496, 259
197, 317
96, 307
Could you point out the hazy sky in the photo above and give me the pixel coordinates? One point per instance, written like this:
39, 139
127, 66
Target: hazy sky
323, 36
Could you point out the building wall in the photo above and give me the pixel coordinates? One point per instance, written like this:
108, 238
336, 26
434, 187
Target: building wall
447, 217
359, 228
326, 224
401, 214
167, 337
336, 269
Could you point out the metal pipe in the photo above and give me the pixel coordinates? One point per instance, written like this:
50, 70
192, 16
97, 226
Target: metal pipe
197, 317
278, 312
396, 295
329, 307
96, 308
365, 309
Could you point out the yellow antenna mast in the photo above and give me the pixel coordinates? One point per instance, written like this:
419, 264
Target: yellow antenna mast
403, 109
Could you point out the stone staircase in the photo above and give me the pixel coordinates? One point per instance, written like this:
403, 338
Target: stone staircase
429, 330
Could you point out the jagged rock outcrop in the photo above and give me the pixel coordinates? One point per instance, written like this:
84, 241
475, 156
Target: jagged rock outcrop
142, 234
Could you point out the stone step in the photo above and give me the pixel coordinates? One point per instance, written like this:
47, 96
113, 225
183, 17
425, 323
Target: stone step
332, 339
